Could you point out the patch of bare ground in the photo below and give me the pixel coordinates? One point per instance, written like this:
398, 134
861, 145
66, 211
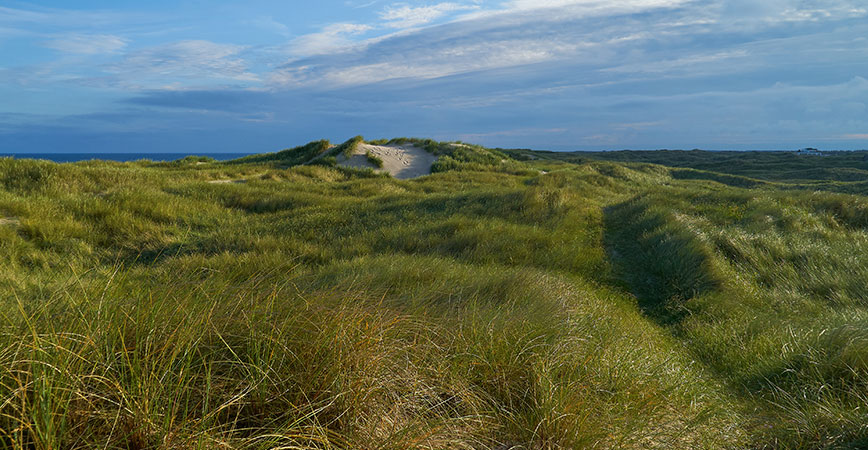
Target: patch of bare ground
402, 162
226, 181
12, 221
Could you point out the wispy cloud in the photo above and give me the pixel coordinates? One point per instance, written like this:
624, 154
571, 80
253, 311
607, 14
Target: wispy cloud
13, 15
602, 35
592, 5
344, 36
197, 60
547, 73
270, 24
87, 44
437, 61
445, 50
693, 64
62, 18
405, 16
332, 38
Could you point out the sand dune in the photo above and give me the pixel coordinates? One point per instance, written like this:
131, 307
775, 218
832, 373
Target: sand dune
401, 162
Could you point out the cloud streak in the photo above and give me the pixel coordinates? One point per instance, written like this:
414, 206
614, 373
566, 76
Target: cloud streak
196, 60
405, 16
60, 18
331, 39
88, 44
558, 74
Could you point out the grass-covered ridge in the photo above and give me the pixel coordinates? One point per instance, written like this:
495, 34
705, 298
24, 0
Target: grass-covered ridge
843, 171
504, 301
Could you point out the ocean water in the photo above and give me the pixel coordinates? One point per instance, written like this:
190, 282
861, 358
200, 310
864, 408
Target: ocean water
121, 157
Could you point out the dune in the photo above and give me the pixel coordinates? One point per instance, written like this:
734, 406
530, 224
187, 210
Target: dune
402, 162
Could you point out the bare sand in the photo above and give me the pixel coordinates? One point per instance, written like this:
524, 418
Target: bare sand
402, 162
14, 221
225, 181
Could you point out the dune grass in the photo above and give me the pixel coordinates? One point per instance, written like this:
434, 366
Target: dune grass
493, 304
374, 159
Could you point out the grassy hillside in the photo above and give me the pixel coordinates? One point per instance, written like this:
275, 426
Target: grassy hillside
836, 171
509, 300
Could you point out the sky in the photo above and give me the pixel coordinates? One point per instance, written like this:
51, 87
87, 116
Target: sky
192, 76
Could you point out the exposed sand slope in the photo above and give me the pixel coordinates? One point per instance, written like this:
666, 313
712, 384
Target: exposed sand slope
401, 162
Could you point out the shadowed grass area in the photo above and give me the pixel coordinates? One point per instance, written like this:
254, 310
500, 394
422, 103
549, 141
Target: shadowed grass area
660, 259
497, 303
765, 289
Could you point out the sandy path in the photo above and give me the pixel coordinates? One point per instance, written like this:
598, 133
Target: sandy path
401, 162
9, 221
225, 181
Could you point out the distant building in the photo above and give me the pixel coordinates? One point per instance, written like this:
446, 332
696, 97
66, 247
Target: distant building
810, 151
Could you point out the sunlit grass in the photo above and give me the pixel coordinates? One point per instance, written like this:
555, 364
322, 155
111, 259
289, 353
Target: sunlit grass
493, 304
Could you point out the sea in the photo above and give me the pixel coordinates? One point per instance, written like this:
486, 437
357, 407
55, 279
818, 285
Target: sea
120, 157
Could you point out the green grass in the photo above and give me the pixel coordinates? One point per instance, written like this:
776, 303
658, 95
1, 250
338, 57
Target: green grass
347, 148
289, 157
374, 159
840, 171
512, 298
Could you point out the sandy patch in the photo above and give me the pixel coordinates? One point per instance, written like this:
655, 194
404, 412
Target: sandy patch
13, 221
401, 162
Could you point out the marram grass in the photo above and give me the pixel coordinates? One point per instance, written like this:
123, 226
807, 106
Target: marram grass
509, 300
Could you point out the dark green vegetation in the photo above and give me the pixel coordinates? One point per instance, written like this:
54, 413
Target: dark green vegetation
839, 171
268, 302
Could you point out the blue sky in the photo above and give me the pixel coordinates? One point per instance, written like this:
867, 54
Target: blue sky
261, 75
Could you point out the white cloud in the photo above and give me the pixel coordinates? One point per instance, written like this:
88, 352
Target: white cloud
600, 34
59, 17
11, 15
267, 23
437, 61
330, 39
338, 37
484, 40
196, 59
608, 5
750, 12
700, 64
405, 16
576, 8
88, 44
